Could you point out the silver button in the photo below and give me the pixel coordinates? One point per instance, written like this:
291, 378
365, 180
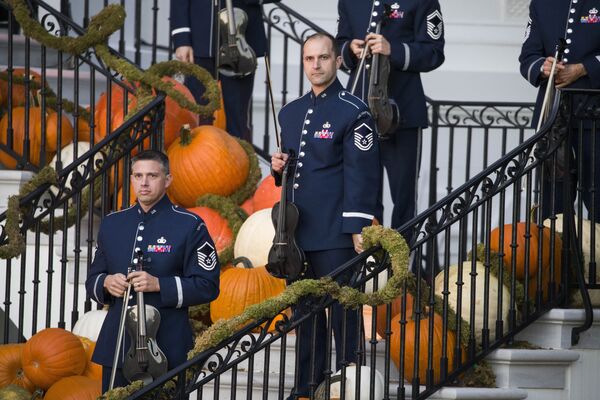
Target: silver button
296, 186
298, 175
367, 66
374, 13
569, 30
137, 249
135, 260
565, 59
301, 154
572, 11
139, 238
569, 41
304, 132
307, 122
141, 227
310, 111
299, 165
302, 143
373, 24
567, 51
570, 20
376, 3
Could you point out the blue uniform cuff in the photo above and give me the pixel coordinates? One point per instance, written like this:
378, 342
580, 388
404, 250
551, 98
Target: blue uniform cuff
171, 292
354, 222
348, 59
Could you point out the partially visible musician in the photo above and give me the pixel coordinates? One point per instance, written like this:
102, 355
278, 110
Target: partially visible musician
333, 183
180, 257
194, 39
578, 22
412, 35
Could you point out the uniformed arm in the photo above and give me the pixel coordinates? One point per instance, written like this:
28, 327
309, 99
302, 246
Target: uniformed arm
94, 284
362, 174
344, 37
199, 282
181, 30
532, 54
591, 65
426, 52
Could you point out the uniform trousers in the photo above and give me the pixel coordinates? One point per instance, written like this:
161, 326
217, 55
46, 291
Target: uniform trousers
120, 380
311, 352
237, 93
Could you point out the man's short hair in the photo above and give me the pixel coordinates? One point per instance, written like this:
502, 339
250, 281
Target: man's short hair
320, 35
152, 155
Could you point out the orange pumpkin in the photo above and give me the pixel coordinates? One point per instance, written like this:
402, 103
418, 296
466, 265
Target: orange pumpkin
18, 89
175, 115
117, 111
92, 370
396, 308
534, 240
243, 287
75, 388
423, 346
219, 118
248, 206
217, 226
53, 354
266, 194
206, 160
35, 134
11, 367
132, 198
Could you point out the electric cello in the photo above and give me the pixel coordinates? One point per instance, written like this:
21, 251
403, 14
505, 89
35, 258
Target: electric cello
236, 57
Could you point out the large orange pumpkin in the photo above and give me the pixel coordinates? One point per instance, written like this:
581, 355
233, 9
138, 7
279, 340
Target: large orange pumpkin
92, 370
396, 308
117, 111
217, 226
52, 354
423, 345
206, 160
266, 195
521, 240
75, 388
35, 134
18, 89
243, 287
175, 115
11, 367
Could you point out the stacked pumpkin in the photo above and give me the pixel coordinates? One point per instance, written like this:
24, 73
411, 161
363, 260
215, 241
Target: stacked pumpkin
53, 361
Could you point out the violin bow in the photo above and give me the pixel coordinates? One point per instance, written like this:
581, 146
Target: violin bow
270, 85
363, 54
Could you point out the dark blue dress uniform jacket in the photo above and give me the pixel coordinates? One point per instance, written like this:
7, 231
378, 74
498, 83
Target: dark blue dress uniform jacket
416, 33
192, 25
550, 20
181, 255
334, 183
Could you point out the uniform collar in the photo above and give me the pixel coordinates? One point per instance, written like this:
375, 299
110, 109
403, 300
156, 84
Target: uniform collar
163, 204
330, 92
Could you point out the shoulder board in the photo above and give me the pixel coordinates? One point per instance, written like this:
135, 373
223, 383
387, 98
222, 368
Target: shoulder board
352, 99
185, 212
295, 100
119, 211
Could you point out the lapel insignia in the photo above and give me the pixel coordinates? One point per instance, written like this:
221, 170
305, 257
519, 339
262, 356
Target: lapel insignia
435, 25
592, 17
363, 137
207, 256
396, 13
325, 133
161, 247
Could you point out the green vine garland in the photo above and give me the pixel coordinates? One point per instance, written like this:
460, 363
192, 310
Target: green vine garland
249, 187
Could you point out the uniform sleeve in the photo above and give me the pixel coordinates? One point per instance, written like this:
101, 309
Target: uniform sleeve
344, 37
362, 174
199, 282
532, 54
94, 284
592, 66
426, 52
181, 31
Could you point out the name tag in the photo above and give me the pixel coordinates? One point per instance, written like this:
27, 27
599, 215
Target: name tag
159, 248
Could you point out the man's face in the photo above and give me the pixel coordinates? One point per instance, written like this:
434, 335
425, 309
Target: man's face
149, 182
320, 63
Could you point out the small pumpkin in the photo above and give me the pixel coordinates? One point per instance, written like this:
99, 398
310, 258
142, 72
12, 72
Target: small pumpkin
92, 370
217, 226
395, 309
206, 160
11, 367
18, 89
243, 287
266, 195
35, 134
75, 388
89, 324
52, 354
67, 157
255, 238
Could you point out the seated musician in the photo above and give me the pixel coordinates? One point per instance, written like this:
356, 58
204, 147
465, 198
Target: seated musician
333, 182
181, 262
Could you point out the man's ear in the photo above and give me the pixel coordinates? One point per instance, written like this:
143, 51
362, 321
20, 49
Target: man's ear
338, 62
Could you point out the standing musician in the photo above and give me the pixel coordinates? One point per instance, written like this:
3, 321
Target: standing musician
577, 21
178, 252
195, 40
333, 137
412, 36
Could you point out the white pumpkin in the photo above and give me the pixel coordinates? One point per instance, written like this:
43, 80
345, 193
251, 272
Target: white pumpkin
255, 238
479, 295
351, 382
67, 157
90, 323
382, 279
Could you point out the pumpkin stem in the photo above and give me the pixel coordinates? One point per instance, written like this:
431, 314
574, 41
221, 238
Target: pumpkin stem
38, 394
245, 261
533, 213
186, 135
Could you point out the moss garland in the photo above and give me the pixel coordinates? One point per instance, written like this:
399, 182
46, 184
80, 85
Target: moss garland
232, 213
249, 187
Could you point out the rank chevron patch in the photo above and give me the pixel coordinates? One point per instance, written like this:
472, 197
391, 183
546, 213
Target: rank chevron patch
207, 256
363, 137
435, 25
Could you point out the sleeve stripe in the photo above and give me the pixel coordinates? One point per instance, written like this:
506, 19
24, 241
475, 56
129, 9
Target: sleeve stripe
357, 215
179, 292
407, 57
96, 288
180, 30
531, 67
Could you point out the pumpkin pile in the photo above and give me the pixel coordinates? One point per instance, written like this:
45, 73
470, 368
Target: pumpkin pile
55, 362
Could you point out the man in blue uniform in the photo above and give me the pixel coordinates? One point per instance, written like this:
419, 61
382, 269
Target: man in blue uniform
181, 261
333, 184
412, 35
577, 22
193, 34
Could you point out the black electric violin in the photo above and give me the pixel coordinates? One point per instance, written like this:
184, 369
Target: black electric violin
236, 57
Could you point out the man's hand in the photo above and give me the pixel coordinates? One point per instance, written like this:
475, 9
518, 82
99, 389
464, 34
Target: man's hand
377, 44
278, 161
358, 242
185, 54
569, 74
357, 46
143, 281
116, 284
547, 67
